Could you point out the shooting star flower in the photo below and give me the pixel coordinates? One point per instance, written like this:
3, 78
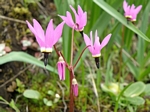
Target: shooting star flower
47, 39
80, 19
95, 48
131, 11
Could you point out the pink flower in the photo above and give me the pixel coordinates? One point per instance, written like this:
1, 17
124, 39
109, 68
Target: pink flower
131, 11
95, 48
75, 87
47, 39
61, 68
80, 19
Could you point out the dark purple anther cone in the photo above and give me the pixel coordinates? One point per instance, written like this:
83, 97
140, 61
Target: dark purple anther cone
97, 62
45, 59
81, 32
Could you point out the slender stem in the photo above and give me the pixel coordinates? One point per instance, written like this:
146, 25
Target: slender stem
118, 99
56, 51
120, 57
60, 54
71, 59
71, 103
80, 56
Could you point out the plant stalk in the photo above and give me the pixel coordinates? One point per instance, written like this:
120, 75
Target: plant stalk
71, 103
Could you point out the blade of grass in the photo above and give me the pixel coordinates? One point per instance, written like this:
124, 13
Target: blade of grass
24, 57
141, 43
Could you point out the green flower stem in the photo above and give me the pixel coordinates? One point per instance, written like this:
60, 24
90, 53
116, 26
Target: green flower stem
71, 60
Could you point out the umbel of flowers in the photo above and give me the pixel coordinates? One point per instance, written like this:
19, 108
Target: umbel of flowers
47, 40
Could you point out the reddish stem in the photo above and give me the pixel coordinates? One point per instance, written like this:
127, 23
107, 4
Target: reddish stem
64, 59
71, 103
80, 56
56, 50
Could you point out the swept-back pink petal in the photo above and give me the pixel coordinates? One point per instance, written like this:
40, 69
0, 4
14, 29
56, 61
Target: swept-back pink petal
31, 28
58, 32
49, 38
134, 13
105, 41
91, 37
96, 43
39, 39
132, 7
39, 30
83, 20
125, 5
80, 11
127, 12
76, 15
68, 19
137, 10
87, 41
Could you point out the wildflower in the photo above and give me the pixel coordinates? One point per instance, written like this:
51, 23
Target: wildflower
47, 39
131, 11
61, 68
95, 48
75, 87
80, 19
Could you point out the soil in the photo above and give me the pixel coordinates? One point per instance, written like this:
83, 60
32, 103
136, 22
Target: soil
13, 29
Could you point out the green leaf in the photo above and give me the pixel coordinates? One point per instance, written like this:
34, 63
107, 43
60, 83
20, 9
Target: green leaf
111, 87
13, 105
50, 92
147, 90
136, 100
110, 10
143, 28
134, 89
24, 57
33, 94
47, 102
1, 98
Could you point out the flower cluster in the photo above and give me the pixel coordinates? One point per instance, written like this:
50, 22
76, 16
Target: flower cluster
131, 11
49, 38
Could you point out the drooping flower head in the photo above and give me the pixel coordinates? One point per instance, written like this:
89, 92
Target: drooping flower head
131, 11
95, 47
61, 68
47, 39
80, 19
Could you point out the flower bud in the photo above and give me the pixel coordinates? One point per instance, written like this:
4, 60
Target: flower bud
61, 68
75, 87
